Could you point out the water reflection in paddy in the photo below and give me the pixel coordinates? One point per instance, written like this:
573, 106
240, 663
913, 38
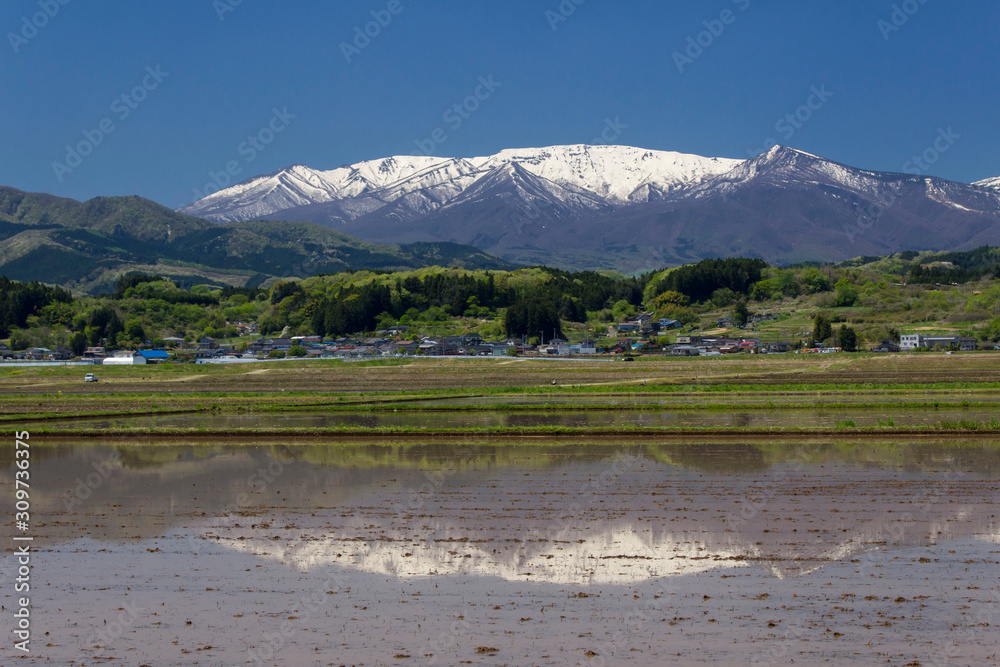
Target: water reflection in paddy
433, 551
578, 418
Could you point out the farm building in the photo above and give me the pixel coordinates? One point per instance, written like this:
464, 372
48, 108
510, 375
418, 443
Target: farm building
127, 359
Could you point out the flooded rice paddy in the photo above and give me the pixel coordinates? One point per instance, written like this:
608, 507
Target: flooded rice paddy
513, 554
592, 418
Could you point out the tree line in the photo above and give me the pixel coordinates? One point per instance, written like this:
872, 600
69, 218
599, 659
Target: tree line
19, 301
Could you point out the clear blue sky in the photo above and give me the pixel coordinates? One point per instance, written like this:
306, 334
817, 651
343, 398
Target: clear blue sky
890, 90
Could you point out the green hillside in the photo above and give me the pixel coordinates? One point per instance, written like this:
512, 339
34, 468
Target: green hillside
85, 246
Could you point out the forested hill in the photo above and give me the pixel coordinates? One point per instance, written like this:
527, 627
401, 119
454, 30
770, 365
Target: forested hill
873, 298
87, 245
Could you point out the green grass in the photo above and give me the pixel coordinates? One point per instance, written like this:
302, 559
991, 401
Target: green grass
969, 425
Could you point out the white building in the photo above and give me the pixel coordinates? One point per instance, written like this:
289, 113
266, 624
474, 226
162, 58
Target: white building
125, 359
910, 341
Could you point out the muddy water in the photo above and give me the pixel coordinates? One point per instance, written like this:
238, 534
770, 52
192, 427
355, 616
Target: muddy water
650, 418
515, 555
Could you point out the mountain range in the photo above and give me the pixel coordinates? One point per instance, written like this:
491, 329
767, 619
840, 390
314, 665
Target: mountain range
626, 208
86, 245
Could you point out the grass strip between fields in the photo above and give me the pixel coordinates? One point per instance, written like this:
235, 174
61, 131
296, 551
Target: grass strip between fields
949, 430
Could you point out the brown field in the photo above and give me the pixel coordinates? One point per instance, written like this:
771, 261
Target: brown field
416, 375
51, 399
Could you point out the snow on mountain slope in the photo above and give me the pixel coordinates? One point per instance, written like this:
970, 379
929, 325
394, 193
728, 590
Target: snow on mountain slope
626, 208
614, 174
989, 182
781, 166
299, 185
514, 179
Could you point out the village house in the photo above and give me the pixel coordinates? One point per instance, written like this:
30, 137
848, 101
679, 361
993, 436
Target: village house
499, 349
154, 356
689, 340
952, 342
946, 342
62, 353
265, 345
435, 348
405, 347
886, 346
245, 328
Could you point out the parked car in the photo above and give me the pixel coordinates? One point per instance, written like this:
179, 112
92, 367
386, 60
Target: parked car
90, 377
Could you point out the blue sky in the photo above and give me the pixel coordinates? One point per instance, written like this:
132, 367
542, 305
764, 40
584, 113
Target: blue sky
718, 78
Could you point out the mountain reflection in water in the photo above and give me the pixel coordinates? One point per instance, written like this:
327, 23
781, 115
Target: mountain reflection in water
543, 513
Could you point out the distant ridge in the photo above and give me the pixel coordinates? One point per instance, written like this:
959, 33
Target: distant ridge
86, 245
626, 208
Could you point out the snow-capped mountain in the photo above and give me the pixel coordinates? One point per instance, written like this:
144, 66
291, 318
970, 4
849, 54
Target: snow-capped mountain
989, 182
626, 208
586, 176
